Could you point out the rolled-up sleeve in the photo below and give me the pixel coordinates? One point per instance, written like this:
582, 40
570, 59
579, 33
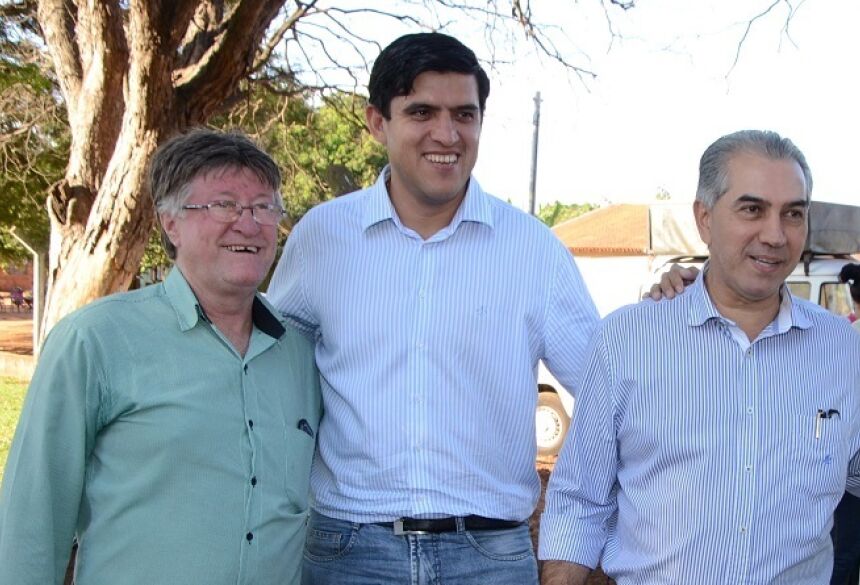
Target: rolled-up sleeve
581, 497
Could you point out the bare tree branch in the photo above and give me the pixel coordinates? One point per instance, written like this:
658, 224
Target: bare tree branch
228, 59
747, 30
625, 5
287, 25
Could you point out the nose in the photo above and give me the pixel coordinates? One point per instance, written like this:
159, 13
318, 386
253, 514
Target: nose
246, 222
444, 130
773, 231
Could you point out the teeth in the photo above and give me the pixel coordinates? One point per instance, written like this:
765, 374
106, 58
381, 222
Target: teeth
766, 261
245, 249
445, 159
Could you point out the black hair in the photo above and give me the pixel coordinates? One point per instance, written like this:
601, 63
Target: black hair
850, 273
406, 58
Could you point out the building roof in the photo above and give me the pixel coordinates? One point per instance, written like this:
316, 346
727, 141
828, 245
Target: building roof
617, 230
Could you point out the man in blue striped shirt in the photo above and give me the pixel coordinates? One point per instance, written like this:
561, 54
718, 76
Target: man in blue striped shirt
716, 432
431, 303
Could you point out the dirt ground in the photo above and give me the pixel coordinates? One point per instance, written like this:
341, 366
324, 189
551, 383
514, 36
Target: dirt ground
16, 332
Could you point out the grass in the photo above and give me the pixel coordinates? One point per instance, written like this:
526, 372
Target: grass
11, 399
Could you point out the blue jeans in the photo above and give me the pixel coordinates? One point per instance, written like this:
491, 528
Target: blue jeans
341, 552
846, 541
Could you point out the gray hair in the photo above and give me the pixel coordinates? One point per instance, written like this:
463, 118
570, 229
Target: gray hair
714, 164
183, 158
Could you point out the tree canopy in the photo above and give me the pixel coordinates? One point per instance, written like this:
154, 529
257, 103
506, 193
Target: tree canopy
123, 75
34, 137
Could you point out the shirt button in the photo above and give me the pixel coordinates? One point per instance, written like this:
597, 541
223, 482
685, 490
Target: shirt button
743, 529
250, 423
420, 345
748, 468
749, 410
422, 294
254, 480
250, 536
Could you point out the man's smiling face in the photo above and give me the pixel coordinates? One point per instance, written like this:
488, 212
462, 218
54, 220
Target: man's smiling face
432, 140
223, 260
756, 231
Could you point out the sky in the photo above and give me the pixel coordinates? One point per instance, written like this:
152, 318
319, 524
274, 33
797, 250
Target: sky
665, 89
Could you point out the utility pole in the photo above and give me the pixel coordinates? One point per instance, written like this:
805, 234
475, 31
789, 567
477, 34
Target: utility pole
533, 181
39, 279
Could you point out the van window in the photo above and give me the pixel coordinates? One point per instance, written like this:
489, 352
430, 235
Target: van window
800, 289
835, 298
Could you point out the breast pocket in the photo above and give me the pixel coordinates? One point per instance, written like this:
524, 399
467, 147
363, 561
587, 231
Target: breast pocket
300, 446
819, 452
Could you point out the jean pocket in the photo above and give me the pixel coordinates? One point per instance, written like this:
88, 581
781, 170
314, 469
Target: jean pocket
329, 539
513, 544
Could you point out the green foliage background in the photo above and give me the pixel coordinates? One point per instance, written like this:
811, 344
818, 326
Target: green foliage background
323, 150
553, 213
34, 140
11, 400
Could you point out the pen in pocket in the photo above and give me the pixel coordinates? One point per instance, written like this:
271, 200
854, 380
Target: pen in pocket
306, 427
819, 418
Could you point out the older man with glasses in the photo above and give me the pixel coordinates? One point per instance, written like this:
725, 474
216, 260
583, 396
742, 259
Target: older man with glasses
170, 430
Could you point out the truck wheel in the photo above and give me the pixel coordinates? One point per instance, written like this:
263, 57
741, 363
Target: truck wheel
551, 423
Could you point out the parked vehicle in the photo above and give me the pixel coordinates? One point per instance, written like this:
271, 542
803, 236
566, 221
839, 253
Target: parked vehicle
834, 236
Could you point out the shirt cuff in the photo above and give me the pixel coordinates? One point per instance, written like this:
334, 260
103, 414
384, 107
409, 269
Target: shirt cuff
570, 538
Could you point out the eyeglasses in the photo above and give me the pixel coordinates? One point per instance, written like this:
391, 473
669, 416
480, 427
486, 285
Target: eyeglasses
230, 211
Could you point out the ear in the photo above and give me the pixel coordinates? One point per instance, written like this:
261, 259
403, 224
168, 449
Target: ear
168, 224
703, 221
376, 123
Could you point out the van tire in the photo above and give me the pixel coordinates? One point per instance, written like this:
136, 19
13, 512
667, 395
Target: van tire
551, 424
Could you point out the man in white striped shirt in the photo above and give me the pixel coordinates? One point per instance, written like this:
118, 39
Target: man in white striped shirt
715, 433
431, 303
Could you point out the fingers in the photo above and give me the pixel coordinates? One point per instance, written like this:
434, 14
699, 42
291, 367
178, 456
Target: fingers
654, 293
672, 282
689, 274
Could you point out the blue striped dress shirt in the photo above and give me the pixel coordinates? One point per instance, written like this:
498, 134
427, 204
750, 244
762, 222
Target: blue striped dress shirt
427, 351
699, 457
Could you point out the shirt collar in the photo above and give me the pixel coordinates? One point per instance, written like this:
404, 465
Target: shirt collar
378, 207
702, 308
189, 312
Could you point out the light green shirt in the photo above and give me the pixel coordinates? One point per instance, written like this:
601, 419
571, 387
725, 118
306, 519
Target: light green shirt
171, 458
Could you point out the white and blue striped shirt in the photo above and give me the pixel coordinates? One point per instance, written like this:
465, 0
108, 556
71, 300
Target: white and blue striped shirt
698, 457
427, 351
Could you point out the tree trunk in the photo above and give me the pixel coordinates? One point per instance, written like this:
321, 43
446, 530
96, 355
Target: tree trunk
129, 82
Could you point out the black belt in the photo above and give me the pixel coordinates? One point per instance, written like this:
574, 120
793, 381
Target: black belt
436, 525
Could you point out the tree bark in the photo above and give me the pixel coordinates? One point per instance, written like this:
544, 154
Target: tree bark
119, 70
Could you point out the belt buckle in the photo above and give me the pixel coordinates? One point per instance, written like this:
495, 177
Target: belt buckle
399, 531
